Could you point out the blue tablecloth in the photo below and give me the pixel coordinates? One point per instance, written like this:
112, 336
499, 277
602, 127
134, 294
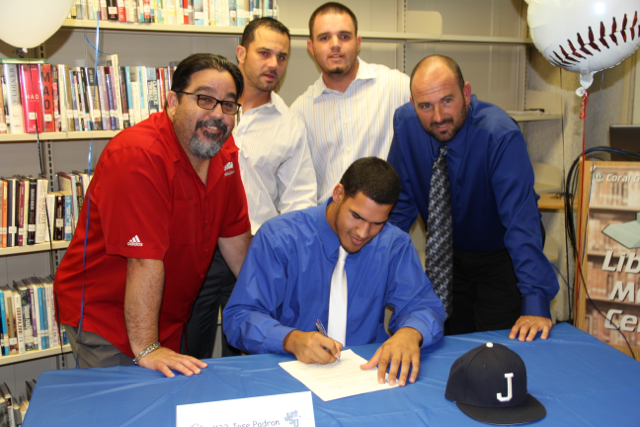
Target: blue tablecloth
580, 381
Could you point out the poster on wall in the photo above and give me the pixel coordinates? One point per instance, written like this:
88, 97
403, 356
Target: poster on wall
612, 258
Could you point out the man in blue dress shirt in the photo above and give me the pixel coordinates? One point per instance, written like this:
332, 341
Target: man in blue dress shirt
285, 280
501, 278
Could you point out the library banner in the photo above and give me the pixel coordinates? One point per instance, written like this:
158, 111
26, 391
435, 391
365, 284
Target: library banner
612, 258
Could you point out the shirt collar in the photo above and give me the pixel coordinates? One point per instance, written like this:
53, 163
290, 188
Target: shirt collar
272, 103
328, 237
364, 73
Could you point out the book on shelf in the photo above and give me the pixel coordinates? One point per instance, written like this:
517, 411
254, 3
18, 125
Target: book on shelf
85, 179
112, 10
58, 216
31, 223
23, 211
93, 97
46, 79
68, 215
114, 70
124, 96
122, 12
67, 183
41, 310
9, 313
13, 210
75, 101
41, 209
3, 213
83, 103
18, 320
14, 99
161, 83
50, 204
126, 77
55, 98
152, 91
52, 323
35, 311
25, 299
4, 322
3, 113
31, 92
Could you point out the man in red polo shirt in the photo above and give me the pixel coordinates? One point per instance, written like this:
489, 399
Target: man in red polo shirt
164, 193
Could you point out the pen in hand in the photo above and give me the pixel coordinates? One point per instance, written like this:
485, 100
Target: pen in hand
323, 331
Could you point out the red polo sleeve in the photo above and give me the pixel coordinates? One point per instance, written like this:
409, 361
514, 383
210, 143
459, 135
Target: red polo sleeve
134, 203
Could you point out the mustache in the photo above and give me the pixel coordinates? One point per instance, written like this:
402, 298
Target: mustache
212, 123
445, 121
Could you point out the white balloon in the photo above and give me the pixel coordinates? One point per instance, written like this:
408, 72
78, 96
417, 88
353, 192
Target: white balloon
29, 23
585, 36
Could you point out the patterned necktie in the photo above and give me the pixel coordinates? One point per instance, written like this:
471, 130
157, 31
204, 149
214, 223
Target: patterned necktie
439, 253
338, 301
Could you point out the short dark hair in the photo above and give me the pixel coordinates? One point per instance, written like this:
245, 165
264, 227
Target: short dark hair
331, 7
204, 61
449, 62
375, 178
249, 33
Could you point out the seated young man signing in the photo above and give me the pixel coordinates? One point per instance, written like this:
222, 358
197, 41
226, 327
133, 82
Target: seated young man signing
340, 263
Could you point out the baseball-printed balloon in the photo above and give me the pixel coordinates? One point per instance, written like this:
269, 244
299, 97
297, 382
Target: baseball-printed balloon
585, 36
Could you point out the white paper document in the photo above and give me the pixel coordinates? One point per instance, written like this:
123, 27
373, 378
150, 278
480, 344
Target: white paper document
290, 409
337, 379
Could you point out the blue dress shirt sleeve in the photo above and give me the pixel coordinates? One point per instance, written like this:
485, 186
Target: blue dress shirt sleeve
405, 212
410, 295
249, 318
512, 181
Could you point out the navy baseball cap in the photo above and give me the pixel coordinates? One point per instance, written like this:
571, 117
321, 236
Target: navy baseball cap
489, 384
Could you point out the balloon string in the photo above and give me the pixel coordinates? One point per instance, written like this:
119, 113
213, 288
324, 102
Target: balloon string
580, 253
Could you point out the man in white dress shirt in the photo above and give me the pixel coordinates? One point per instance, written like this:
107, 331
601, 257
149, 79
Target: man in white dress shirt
348, 111
275, 164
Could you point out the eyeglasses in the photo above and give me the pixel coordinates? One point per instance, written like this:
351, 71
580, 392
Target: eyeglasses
207, 102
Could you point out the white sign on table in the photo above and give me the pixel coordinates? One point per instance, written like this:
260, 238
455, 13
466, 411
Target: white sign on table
284, 410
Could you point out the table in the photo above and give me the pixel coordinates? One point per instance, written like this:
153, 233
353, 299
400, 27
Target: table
580, 381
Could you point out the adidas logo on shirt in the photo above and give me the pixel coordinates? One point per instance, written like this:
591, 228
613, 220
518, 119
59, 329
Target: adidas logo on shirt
135, 241
228, 169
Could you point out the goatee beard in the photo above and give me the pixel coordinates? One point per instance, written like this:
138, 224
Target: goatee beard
209, 148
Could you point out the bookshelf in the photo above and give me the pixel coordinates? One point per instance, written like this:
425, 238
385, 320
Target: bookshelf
381, 36
57, 136
40, 247
35, 354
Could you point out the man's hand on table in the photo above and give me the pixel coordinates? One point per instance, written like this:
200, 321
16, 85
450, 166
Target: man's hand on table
527, 327
401, 350
164, 360
312, 347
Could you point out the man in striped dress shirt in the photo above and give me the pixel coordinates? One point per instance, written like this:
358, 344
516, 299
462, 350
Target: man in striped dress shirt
348, 111
275, 164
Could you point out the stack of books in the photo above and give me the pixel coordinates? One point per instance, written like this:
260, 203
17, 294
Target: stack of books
30, 214
29, 316
37, 97
225, 13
